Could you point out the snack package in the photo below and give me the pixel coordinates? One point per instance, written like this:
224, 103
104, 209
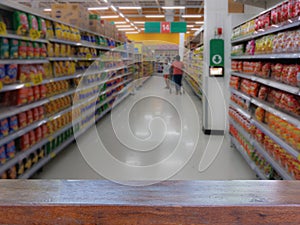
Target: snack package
43, 50
10, 149
36, 115
29, 115
41, 71
20, 23
2, 155
30, 95
49, 26
36, 93
50, 50
30, 50
43, 91
44, 131
24, 142
41, 112
260, 114
4, 127
4, 48
36, 50
57, 50
58, 30
24, 73
38, 134
22, 95
20, 168
42, 27
33, 23
13, 124
32, 140
22, 119
11, 72
277, 71
263, 93
13, 48
12, 173
22, 50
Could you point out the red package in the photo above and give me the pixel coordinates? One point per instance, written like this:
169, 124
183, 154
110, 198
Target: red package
292, 75
36, 115
285, 12
36, 91
24, 142
41, 112
36, 50
32, 140
265, 70
290, 103
274, 16
38, 134
277, 71
253, 89
30, 52
258, 67
24, 73
22, 96
284, 73
44, 131
43, 91
22, 119
29, 114
22, 50
43, 51
30, 95
263, 93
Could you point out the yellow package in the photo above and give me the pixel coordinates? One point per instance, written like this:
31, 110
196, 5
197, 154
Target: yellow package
68, 51
58, 30
57, 69
63, 50
68, 33
57, 50
50, 32
50, 50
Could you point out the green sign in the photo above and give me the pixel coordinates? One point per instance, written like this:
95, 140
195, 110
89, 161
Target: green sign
216, 52
165, 27
152, 27
178, 27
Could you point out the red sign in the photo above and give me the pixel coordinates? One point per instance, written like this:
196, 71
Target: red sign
165, 27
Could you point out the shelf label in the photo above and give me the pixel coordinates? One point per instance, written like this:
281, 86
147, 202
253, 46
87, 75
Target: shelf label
3, 28
1, 85
165, 27
36, 79
34, 34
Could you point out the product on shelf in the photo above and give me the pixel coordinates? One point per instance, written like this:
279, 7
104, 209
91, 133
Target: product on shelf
241, 120
21, 25
234, 82
4, 48
249, 87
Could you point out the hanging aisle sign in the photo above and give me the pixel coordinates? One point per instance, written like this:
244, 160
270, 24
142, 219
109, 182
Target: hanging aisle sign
165, 27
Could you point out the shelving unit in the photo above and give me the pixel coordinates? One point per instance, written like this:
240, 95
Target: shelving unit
193, 62
98, 77
270, 92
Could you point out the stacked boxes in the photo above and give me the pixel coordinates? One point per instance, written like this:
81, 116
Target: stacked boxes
95, 23
74, 14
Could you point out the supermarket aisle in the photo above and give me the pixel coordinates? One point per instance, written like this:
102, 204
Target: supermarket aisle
228, 164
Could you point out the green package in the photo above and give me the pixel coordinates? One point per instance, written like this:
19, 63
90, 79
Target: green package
13, 48
20, 23
4, 48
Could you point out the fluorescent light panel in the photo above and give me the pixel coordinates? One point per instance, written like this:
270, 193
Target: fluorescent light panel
154, 16
195, 28
47, 10
192, 16
173, 7
97, 8
113, 8
122, 15
122, 26
124, 29
127, 20
130, 7
199, 22
139, 22
189, 25
133, 32
120, 22
109, 17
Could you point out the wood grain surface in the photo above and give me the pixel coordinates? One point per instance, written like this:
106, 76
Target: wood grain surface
169, 202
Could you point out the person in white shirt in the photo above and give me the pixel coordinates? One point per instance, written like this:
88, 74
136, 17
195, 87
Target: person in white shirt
166, 72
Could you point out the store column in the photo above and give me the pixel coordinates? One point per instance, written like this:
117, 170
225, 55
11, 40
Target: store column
214, 106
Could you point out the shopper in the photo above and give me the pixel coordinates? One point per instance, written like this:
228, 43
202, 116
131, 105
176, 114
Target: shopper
166, 73
177, 73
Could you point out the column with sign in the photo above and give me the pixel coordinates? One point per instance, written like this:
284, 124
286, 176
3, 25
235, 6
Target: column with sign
216, 57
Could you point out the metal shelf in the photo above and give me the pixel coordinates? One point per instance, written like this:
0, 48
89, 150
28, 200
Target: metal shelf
18, 37
249, 161
240, 94
23, 61
271, 30
79, 44
241, 110
271, 83
275, 138
282, 172
241, 130
295, 121
269, 56
195, 92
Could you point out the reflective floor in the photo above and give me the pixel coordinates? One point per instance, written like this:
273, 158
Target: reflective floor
152, 136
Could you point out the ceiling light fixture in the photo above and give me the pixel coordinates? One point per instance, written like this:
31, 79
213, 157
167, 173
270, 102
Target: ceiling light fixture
105, 1
195, 28
119, 22
97, 8
47, 10
121, 26
133, 32
142, 28
127, 20
124, 29
109, 17
113, 8
173, 7
130, 7
132, 24
154, 16
199, 22
192, 16
189, 25
188, 32
122, 15
139, 22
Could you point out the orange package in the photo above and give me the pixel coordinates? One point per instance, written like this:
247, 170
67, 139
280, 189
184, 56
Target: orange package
22, 96
32, 140
30, 95
36, 115
24, 142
